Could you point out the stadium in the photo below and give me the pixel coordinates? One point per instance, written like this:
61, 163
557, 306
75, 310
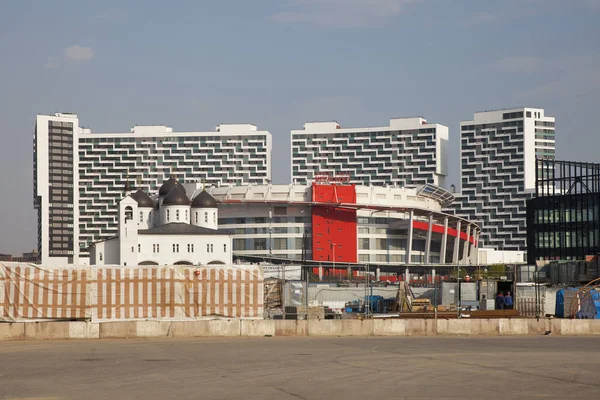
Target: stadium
332, 222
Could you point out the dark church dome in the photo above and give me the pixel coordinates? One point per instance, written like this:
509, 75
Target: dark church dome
204, 200
143, 200
176, 197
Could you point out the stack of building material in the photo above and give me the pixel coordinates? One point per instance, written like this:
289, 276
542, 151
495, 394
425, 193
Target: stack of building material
273, 292
304, 312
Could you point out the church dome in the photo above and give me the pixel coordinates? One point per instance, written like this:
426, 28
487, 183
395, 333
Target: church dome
204, 200
168, 185
143, 200
176, 197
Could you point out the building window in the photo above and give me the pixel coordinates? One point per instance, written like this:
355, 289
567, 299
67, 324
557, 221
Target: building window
212, 250
141, 216
100, 256
173, 248
206, 217
168, 215
225, 248
128, 213
196, 216
154, 248
176, 248
139, 248
239, 244
208, 248
186, 215
158, 248
177, 215
132, 249
363, 244
192, 247
280, 244
260, 244
188, 248
215, 217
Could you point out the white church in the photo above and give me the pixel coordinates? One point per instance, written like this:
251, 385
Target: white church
171, 230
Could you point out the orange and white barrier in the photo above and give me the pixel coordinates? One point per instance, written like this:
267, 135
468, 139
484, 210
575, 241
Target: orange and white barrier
31, 292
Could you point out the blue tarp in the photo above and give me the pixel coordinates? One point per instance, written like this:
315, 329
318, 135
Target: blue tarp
559, 311
590, 308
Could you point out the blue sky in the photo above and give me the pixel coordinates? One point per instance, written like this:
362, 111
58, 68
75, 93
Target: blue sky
278, 64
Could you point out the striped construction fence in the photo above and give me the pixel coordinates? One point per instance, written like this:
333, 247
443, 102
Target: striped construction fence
30, 292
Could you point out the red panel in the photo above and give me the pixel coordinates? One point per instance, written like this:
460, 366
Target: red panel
332, 225
438, 228
424, 226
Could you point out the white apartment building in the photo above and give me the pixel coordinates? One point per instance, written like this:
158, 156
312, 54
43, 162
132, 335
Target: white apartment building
498, 150
79, 176
408, 152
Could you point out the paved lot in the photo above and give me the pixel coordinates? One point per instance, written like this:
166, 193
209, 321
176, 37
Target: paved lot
544, 367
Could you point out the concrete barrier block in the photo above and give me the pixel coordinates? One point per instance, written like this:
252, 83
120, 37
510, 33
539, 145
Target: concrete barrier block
357, 327
302, 328
51, 330
286, 327
454, 326
190, 328
153, 328
389, 327
421, 327
118, 330
556, 326
257, 327
328, 327
83, 330
12, 331
575, 327
200, 328
513, 326
224, 327
485, 327
595, 327
536, 327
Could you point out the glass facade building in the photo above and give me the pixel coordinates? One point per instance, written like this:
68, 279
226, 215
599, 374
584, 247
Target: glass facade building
563, 219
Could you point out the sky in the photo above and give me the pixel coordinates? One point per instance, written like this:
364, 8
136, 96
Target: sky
192, 65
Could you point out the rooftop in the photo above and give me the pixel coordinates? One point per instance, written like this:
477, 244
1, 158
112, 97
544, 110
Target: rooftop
180, 228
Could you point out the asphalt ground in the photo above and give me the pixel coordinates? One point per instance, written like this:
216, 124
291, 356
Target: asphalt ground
540, 367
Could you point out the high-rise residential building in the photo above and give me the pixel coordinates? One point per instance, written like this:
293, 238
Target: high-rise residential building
498, 171
409, 151
79, 176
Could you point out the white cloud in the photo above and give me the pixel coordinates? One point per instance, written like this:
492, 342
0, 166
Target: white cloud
518, 64
79, 53
341, 13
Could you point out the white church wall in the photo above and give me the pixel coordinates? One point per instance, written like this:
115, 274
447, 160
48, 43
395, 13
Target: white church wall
195, 249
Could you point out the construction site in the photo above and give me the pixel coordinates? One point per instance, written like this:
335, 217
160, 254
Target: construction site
556, 290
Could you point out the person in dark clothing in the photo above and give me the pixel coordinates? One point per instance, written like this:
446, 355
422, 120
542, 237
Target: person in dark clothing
500, 301
508, 301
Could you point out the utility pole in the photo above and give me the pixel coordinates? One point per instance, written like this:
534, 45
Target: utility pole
459, 300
